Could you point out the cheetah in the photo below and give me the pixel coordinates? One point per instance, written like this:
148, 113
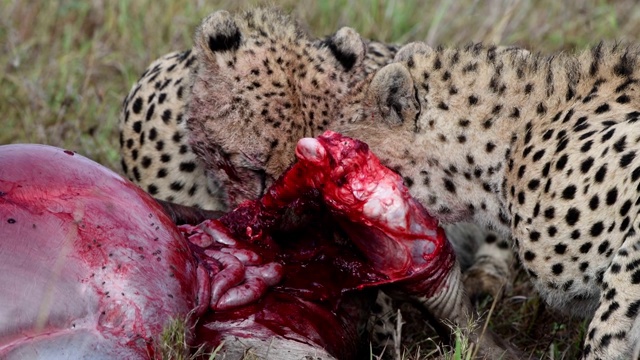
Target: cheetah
214, 126
157, 156
542, 148
154, 139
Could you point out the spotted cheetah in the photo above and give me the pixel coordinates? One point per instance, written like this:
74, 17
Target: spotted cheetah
154, 145
252, 86
154, 139
544, 148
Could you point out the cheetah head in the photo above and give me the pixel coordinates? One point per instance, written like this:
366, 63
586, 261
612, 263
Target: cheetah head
417, 120
262, 84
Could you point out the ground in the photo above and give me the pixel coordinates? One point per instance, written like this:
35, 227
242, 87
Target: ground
64, 78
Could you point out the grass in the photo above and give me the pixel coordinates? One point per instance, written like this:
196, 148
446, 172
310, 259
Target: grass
172, 344
65, 67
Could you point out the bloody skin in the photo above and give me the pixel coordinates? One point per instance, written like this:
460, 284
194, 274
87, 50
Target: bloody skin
90, 266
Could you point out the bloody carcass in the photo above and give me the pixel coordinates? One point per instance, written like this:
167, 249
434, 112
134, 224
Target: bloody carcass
90, 266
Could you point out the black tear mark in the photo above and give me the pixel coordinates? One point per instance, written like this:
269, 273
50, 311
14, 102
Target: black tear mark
223, 42
346, 59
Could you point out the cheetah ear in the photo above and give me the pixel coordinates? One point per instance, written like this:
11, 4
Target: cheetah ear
392, 92
347, 47
217, 33
411, 49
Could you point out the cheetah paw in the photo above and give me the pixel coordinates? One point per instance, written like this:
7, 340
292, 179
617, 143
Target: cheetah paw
486, 279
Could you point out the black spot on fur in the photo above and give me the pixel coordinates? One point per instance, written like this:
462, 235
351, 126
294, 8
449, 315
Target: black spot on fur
572, 217
137, 105
594, 202
408, 181
533, 184
541, 109
568, 116
602, 108
581, 124
150, 112
152, 189
608, 135
560, 249
463, 122
146, 162
490, 147
166, 116
176, 186
569, 192
632, 310
450, 186
137, 126
600, 174
557, 269
529, 256
627, 159
622, 87
603, 247
187, 166
596, 229
562, 162
534, 236
612, 196
623, 99
586, 165
549, 213
528, 88
620, 145
584, 248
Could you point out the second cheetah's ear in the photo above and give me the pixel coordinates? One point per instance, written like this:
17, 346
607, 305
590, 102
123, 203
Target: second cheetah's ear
217, 33
411, 49
392, 92
347, 47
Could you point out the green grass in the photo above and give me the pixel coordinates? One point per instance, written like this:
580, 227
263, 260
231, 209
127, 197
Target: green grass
65, 67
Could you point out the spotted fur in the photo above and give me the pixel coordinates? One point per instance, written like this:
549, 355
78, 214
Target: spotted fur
545, 149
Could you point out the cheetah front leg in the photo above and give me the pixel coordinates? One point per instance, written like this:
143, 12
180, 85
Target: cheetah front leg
614, 331
486, 259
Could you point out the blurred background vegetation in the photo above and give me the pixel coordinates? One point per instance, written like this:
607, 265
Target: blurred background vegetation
67, 65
